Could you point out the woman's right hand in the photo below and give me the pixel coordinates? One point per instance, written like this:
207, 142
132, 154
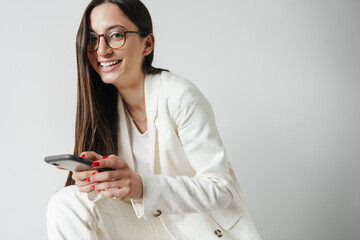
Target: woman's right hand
80, 178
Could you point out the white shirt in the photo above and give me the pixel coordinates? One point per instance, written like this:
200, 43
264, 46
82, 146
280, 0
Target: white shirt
140, 147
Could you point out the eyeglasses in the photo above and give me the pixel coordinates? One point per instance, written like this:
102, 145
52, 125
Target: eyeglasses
114, 38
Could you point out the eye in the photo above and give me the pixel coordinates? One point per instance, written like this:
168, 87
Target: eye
116, 35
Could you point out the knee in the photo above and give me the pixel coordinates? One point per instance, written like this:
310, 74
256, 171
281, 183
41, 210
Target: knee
59, 199
65, 200
68, 213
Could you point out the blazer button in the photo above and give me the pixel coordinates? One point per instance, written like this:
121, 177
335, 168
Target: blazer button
218, 233
157, 213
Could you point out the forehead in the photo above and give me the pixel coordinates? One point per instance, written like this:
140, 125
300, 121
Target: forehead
107, 15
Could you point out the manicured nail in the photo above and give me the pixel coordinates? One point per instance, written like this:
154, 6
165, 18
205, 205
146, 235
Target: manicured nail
94, 173
88, 179
95, 164
104, 157
82, 155
99, 191
93, 187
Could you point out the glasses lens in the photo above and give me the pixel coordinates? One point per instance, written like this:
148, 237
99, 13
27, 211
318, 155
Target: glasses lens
93, 42
115, 37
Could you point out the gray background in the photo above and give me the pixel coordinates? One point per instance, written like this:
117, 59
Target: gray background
283, 79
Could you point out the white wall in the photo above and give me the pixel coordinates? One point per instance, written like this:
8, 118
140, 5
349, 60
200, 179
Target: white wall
283, 78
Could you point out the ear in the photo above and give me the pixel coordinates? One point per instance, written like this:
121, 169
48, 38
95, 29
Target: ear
149, 44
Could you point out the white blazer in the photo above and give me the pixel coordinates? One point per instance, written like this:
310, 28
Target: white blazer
192, 187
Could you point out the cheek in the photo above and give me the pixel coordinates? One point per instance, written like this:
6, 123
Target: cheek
135, 51
136, 58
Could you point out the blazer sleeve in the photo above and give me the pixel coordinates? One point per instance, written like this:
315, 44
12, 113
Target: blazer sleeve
211, 188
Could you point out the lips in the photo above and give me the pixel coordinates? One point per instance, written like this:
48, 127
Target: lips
108, 64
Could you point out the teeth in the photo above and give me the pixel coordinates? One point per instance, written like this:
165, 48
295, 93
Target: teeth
108, 64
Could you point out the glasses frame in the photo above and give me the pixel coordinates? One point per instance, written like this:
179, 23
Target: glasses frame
106, 40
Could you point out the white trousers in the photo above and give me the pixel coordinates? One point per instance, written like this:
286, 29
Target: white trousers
71, 215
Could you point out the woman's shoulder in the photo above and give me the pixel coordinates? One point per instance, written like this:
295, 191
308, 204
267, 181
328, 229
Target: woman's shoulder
172, 84
179, 92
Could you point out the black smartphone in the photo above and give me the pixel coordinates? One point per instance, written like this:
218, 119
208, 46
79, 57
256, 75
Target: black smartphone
72, 163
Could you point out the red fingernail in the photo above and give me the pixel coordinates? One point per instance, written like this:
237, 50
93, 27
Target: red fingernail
88, 179
82, 155
94, 173
95, 164
93, 187
99, 190
104, 157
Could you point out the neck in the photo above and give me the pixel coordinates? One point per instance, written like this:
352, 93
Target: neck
133, 95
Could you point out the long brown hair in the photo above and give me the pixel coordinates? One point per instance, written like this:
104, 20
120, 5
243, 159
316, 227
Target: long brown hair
97, 119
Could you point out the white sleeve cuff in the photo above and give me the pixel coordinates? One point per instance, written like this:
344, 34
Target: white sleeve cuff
138, 207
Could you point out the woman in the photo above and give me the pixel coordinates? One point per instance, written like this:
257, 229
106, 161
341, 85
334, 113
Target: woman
172, 179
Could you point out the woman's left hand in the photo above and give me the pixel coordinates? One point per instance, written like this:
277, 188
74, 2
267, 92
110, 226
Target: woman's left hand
122, 182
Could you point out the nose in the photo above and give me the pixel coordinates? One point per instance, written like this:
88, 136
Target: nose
103, 48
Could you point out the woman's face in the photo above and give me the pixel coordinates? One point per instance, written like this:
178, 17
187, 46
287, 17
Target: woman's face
123, 66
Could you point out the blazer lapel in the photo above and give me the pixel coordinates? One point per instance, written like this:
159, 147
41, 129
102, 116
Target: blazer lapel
152, 85
151, 90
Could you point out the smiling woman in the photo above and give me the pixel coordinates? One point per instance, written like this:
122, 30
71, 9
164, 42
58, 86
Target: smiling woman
109, 24
172, 178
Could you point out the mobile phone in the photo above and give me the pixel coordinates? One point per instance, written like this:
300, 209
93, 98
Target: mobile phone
72, 163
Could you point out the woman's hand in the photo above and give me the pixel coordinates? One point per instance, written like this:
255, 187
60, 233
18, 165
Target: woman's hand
81, 178
122, 182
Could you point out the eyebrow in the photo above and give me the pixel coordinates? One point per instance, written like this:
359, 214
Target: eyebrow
113, 26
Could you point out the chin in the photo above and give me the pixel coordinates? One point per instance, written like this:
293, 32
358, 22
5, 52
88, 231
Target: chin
108, 81
109, 78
